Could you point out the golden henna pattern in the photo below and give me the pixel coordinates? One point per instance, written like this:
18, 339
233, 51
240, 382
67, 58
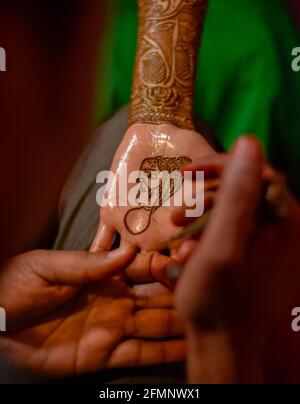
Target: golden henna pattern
166, 190
168, 43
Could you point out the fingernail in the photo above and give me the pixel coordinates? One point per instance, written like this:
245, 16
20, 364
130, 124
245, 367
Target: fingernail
247, 150
174, 272
186, 248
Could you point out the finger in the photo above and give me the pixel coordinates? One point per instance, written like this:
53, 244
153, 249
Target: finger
155, 324
213, 166
79, 268
186, 250
183, 251
206, 275
125, 243
173, 251
148, 267
212, 184
152, 295
178, 216
234, 212
136, 352
104, 238
175, 270
237, 201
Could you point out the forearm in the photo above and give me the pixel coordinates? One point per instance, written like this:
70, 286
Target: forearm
164, 76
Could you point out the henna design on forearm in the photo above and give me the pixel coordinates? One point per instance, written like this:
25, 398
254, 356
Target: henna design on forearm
166, 190
164, 77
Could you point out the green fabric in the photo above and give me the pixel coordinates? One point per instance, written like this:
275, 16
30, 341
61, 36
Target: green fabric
245, 83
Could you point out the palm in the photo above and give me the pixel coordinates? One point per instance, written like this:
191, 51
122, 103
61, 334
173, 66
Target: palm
142, 143
100, 326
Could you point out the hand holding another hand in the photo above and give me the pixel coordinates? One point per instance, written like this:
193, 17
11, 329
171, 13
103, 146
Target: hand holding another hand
75, 312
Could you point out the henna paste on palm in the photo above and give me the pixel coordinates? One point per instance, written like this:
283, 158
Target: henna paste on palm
168, 43
163, 86
137, 220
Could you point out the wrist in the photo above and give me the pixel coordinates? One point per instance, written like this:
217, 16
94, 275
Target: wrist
168, 43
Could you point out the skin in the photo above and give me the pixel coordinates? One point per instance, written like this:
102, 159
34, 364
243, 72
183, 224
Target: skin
139, 142
149, 267
232, 298
161, 119
166, 59
129, 292
170, 134
76, 312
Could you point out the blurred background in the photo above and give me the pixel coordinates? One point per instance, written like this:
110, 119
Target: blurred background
70, 66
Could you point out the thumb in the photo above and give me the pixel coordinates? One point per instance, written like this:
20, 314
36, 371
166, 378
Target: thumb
79, 268
104, 238
205, 287
239, 196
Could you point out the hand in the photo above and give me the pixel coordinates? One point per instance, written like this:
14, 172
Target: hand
74, 312
241, 276
146, 228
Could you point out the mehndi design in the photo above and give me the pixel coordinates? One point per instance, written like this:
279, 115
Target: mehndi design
168, 43
137, 220
163, 85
